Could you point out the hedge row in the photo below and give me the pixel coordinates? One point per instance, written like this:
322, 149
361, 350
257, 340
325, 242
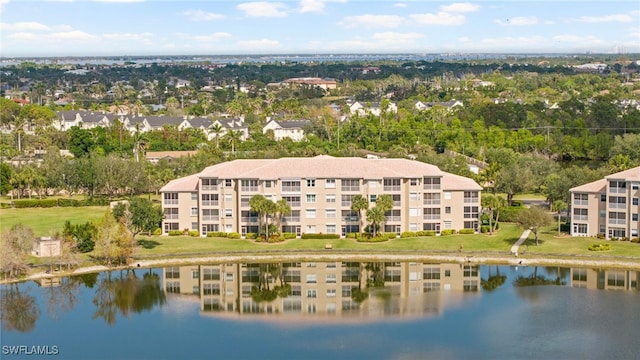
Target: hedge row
48, 203
231, 235
320, 236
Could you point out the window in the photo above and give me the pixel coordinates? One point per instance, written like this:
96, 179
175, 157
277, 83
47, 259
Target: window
392, 275
311, 183
210, 214
413, 227
211, 274
209, 184
603, 197
228, 228
267, 183
447, 195
293, 217
311, 293
209, 199
579, 275
470, 225
228, 213
391, 184
194, 211
372, 184
331, 228
346, 291
228, 277
311, 198
431, 198
331, 292
617, 233
617, 218
392, 215
634, 217
171, 198
372, 198
244, 200
293, 201
396, 199
311, 278
413, 182
619, 187
414, 212
431, 214
330, 183
330, 198
346, 200
228, 198
331, 278
350, 185
330, 213
470, 271
431, 227
634, 185
579, 229
447, 209
580, 199
291, 185
431, 286
470, 285
431, 183
248, 185
194, 196
311, 229
413, 196
617, 202
171, 213
431, 273
194, 226
471, 197
634, 201
448, 225
581, 214
310, 213
228, 183
470, 212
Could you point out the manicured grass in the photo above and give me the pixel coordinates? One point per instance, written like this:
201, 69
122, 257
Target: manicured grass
550, 243
44, 220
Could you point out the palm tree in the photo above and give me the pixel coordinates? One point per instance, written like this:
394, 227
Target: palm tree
263, 207
139, 143
385, 202
558, 206
282, 209
375, 215
489, 204
216, 129
360, 204
500, 204
233, 136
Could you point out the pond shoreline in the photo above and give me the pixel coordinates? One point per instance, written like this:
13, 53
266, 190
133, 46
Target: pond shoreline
331, 255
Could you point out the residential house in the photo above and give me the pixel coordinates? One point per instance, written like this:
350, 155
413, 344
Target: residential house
373, 108
292, 129
320, 190
607, 207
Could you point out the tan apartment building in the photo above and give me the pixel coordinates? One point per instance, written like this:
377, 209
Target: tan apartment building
611, 279
326, 288
320, 191
607, 207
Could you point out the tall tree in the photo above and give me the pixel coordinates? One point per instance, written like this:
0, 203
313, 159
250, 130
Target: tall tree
282, 209
359, 205
533, 219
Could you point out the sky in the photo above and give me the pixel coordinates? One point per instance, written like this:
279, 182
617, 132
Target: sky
204, 27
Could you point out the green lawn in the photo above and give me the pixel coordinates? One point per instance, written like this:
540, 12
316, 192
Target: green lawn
45, 220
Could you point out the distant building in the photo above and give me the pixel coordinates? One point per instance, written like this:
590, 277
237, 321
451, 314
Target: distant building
292, 129
46, 247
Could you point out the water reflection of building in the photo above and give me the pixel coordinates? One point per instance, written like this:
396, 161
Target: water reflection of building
605, 279
358, 289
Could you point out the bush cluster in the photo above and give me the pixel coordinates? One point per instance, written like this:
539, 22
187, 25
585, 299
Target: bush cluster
467, 231
600, 247
447, 232
320, 236
194, 233
62, 202
176, 232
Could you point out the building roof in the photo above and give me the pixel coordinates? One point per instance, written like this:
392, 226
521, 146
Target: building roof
598, 186
629, 175
292, 124
325, 166
183, 184
169, 154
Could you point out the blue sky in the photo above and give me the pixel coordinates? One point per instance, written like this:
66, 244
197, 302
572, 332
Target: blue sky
161, 27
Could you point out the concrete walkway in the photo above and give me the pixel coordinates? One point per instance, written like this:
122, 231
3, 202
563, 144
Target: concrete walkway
523, 238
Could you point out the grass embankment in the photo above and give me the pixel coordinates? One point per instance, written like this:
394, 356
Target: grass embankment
45, 220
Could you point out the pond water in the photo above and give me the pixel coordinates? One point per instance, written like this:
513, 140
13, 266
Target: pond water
317, 310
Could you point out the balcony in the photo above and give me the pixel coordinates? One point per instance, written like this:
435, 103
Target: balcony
617, 221
617, 205
210, 218
249, 219
431, 217
393, 218
209, 187
171, 201
581, 217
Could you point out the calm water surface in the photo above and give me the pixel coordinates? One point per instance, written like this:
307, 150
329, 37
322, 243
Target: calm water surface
333, 310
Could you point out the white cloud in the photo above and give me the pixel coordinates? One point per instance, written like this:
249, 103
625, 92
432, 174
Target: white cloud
368, 20
311, 6
395, 36
24, 36
577, 39
128, 36
460, 7
519, 21
212, 37
400, 5
73, 35
259, 44
199, 15
441, 18
24, 26
605, 18
263, 9
463, 39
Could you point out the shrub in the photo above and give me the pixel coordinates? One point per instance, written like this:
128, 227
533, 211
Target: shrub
251, 236
509, 214
635, 240
408, 234
447, 232
289, 235
320, 236
157, 231
194, 233
233, 235
62, 202
467, 231
351, 235
484, 229
175, 232
600, 247
426, 233
216, 234
372, 239
390, 235
565, 227
276, 238
32, 203
5, 205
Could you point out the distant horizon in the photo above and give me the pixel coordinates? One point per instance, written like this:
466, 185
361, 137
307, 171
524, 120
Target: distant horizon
104, 28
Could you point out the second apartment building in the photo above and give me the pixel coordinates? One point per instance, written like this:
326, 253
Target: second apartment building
320, 192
